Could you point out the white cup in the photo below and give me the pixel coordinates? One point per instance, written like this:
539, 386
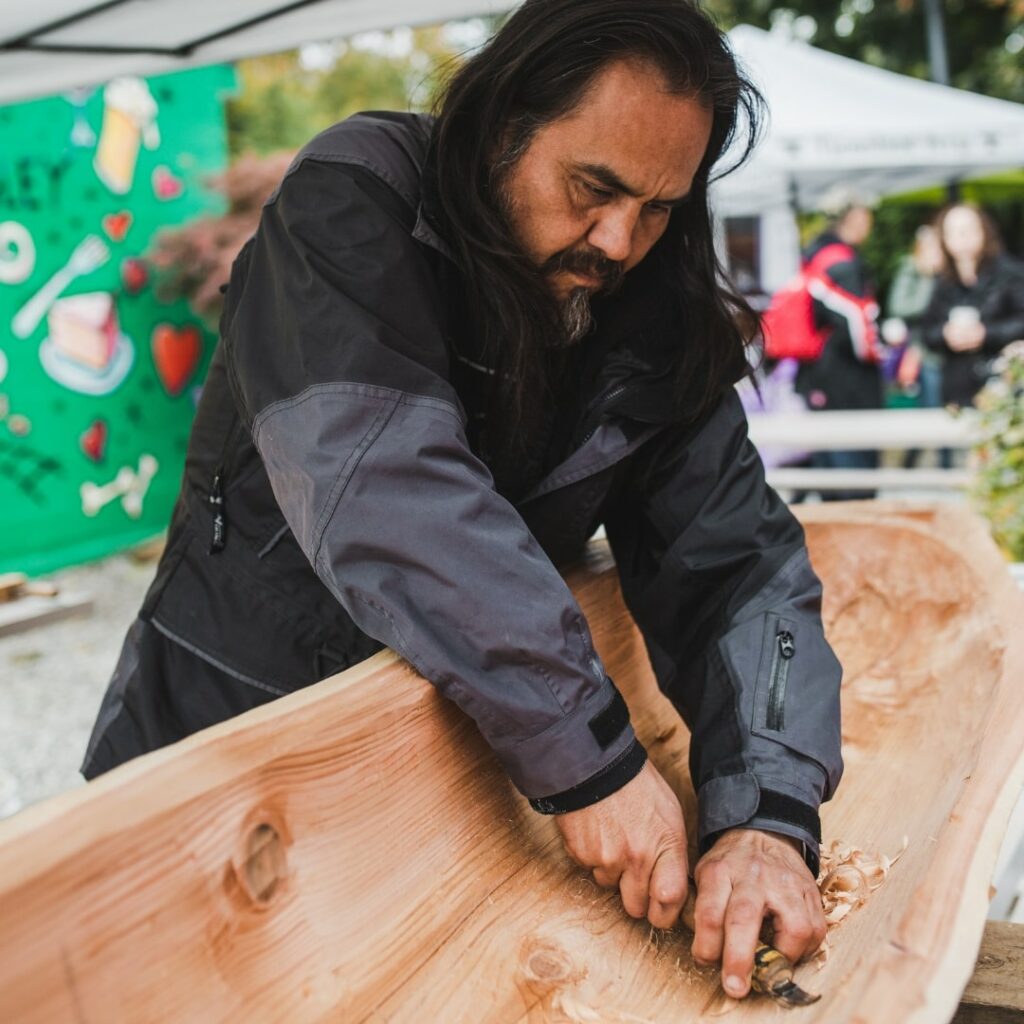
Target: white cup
894, 330
964, 316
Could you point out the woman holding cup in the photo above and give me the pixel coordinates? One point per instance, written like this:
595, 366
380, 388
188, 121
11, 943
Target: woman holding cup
977, 308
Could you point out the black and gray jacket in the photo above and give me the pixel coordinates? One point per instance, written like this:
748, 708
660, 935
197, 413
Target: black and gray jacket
335, 501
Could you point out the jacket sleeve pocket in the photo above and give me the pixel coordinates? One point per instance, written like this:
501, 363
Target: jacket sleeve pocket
793, 696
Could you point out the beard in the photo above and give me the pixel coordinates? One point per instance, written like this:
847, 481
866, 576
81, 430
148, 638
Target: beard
575, 313
577, 316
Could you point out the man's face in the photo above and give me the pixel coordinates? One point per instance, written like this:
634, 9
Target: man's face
594, 191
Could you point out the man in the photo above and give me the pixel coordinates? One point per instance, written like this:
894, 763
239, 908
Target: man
450, 352
847, 374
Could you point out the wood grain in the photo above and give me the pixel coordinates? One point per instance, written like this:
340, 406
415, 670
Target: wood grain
354, 853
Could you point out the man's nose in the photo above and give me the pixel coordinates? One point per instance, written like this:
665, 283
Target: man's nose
613, 232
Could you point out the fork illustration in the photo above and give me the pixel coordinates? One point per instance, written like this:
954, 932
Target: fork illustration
90, 254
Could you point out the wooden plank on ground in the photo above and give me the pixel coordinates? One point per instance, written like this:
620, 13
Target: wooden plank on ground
26, 613
995, 993
353, 852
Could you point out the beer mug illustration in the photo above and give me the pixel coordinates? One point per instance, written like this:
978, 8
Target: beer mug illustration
129, 121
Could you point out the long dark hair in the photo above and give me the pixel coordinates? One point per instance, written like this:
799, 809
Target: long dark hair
991, 244
535, 70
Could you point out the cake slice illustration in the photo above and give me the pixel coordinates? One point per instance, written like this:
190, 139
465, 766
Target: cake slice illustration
85, 349
83, 328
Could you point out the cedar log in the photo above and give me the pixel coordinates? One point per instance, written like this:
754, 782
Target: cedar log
353, 852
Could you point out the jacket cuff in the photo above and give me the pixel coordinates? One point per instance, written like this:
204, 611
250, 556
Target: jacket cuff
622, 770
739, 801
571, 751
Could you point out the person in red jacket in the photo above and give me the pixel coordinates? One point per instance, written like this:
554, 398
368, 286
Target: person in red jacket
847, 374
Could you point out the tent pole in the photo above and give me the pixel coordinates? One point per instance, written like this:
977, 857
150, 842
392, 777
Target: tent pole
938, 52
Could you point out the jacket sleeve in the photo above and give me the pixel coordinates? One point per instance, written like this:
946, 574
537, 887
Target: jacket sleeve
715, 570
1008, 324
339, 366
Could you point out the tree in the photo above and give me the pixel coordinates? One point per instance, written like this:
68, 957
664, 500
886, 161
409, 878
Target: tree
282, 103
985, 37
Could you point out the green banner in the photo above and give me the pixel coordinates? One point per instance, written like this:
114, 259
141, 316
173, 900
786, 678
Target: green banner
99, 378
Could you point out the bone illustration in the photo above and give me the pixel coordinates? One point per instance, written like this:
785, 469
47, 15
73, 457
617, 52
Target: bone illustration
129, 485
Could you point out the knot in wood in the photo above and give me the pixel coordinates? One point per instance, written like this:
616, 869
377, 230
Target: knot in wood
546, 964
261, 866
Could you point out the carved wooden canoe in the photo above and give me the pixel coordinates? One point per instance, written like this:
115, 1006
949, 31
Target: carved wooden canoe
354, 853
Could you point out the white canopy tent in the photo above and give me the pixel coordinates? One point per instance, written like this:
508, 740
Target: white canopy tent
838, 120
835, 121
49, 46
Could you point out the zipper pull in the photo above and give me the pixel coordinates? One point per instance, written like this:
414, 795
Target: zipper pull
787, 648
220, 525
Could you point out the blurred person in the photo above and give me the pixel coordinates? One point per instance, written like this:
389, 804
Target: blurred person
978, 305
909, 297
453, 349
847, 374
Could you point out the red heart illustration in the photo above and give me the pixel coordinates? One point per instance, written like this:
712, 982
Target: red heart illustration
166, 185
176, 352
134, 275
116, 225
94, 441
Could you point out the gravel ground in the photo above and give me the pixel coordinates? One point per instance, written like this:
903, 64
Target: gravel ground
52, 678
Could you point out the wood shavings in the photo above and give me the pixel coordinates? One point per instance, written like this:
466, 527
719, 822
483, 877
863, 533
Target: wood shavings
848, 877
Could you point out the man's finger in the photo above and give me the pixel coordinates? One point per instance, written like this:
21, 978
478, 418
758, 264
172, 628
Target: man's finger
743, 919
668, 888
816, 915
713, 891
635, 885
608, 878
794, 929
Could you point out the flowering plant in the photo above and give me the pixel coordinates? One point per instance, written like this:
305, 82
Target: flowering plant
998, 454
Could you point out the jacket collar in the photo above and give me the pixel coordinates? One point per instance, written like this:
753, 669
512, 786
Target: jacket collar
428, 213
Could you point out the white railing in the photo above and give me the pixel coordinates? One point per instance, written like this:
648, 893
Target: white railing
874, 429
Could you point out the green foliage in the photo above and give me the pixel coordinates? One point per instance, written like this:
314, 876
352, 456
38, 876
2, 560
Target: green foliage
282, 105
891, 34
998, 456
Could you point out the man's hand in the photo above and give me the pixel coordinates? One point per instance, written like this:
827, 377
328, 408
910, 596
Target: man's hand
634, 840
745, 876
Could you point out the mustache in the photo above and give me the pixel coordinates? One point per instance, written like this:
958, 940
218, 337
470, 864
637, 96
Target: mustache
589, 263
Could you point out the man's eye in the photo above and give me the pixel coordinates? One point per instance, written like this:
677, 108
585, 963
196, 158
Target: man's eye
597, 191
659, 208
